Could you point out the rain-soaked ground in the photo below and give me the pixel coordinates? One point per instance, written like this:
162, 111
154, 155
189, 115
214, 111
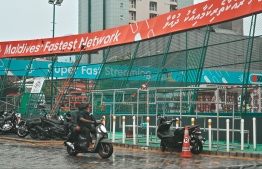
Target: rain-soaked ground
28, 155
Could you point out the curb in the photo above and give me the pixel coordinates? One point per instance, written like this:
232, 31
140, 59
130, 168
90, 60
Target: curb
32, 141
140, 147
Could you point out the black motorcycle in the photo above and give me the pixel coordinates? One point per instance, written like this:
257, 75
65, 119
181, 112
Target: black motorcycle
29, 126
55, 128
9, 121
174, 139
102, 144
44, 127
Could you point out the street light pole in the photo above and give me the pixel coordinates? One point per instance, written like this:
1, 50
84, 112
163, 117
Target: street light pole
54, 3
52, 76
53, 31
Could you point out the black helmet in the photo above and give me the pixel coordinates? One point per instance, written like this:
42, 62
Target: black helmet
83, 106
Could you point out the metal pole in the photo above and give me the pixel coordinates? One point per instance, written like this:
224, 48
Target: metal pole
114, 128
242, 134
123, 129
52, 73
147, 130
134, 128
254, 134
209, 135
227, 134
53, 35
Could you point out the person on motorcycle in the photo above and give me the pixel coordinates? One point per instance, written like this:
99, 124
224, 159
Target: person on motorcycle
85, 121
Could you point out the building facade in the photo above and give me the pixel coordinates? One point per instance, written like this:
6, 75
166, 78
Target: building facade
96, 15
184, 3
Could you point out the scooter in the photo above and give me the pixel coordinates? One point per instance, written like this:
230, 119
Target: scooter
102, 144
174, 139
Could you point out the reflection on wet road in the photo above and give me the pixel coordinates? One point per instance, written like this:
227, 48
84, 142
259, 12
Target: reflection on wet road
19, 155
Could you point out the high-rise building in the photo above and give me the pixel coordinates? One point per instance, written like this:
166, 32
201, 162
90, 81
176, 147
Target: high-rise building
184, 3
96, 15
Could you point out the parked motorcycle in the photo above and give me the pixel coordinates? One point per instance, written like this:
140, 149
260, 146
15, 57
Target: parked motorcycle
44, 127
174, 139
9, 121
102, 144
52, 129
55, 128
29, 126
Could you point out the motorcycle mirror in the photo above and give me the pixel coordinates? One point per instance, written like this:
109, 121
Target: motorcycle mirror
160, 116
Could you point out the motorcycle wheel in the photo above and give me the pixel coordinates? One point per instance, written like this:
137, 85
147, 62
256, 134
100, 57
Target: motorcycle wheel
71, 151
162, 146
41, 135
22, 131
105, 150
33, 133
51, 134
196, 146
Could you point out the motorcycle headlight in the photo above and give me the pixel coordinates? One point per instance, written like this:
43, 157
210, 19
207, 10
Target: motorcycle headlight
103, 129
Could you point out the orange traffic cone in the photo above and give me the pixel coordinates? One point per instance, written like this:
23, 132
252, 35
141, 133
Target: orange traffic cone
186, 145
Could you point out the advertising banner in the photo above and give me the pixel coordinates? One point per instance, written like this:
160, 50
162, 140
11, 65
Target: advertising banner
199, 15
61, 70
84, 71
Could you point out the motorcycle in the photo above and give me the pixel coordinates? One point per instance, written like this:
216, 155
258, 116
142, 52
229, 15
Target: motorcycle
43, 127
102, 144
9, 121
174, 139
29, 126
53, 128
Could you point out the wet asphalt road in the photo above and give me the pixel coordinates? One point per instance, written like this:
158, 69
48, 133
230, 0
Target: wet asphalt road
27, 155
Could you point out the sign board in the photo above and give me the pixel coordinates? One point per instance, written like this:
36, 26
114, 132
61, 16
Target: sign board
37, 85
206, 13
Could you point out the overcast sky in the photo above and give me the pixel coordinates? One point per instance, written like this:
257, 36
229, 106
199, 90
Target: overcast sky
32, 19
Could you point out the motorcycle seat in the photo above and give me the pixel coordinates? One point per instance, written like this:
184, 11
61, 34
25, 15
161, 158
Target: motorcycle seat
192, 126
54, 121
7, 118
178, 130
34, 121
30, 120
165, 134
